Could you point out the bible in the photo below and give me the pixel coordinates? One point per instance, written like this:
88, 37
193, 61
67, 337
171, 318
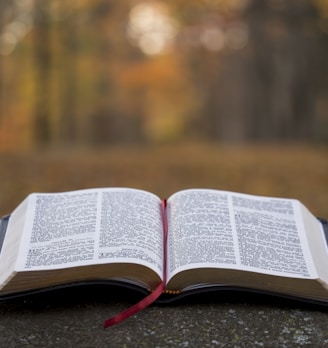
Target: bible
195, 240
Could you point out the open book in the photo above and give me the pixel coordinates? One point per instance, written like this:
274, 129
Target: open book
198, 239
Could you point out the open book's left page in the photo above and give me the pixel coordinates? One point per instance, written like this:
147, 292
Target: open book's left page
89, 227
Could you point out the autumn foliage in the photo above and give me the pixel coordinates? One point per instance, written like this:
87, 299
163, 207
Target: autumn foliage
100, 72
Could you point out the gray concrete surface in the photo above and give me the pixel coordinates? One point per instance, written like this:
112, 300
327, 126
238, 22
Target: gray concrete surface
75, 319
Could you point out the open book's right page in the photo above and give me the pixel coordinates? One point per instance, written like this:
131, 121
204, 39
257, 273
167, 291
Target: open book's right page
219, 229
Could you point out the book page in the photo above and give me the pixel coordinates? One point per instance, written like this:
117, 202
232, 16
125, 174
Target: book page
209, 228
92, 226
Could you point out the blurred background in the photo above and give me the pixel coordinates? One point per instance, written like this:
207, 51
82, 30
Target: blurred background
163, 95
235, 90
102, 72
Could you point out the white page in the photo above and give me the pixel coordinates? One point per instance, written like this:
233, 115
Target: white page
92, 226
210, 228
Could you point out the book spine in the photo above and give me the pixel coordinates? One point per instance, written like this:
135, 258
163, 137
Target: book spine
3, 228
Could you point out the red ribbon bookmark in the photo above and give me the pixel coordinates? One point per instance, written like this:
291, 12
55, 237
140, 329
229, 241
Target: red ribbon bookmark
153, 296
145, 302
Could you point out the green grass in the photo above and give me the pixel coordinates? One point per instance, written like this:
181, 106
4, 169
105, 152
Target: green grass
297, 171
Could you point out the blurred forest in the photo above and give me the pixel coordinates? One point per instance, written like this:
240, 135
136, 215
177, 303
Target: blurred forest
102, 72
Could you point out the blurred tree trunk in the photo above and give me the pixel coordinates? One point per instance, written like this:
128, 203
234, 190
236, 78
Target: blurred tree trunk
108, 124
42, 51
292, 64
4, 5
68, 125
264, 91
282, 52
321, 87
2, 83
2, 88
